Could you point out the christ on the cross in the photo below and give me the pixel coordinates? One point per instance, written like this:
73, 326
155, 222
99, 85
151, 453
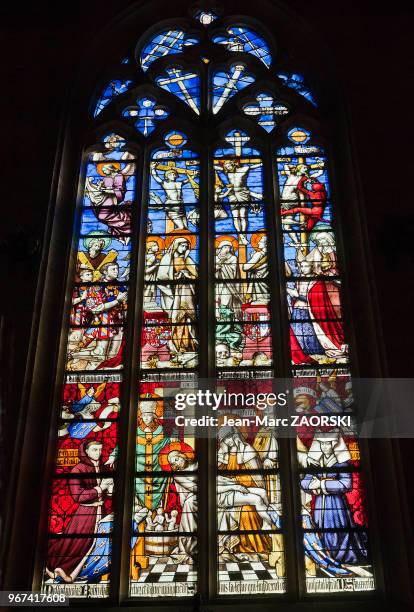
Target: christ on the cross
238, 193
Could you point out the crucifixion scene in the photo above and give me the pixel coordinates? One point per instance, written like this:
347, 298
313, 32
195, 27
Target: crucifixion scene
169, 335
313, 287
241, 258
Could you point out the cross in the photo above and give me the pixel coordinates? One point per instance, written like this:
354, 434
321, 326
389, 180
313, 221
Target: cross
147, 114
265, 111
162, 43
236, 80
237, 139
243, 39
190, 174
175, 75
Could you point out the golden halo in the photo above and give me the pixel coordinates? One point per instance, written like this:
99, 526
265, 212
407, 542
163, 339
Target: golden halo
158, 240
182, 233
175, 139
256, 237
182, 447
114, 164
232, 239
299, 136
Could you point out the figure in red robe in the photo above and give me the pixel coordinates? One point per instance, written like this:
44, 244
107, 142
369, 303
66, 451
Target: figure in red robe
66, 555
324, 309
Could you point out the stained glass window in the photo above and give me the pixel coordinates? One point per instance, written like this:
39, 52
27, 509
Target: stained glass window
334, 516
266, 110
146, 114
185, 84
243, 330
206, 17
165, 43
111, 91
244, 40
297, 82
188, 242
81, 514
227, 84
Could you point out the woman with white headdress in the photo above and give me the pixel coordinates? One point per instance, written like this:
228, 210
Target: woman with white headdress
331, 513
226, 269
178, 299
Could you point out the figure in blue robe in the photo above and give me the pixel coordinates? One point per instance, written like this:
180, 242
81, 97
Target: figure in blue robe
331, 509
98, 562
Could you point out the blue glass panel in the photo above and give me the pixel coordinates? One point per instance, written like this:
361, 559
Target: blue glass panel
225, 214
159, 218
110, 91
147, 113
238, 145
164, 43
299, 138
183, 84
206, 17
244, 40
297, 82
226, 84
114, 149
265, 111
175, 141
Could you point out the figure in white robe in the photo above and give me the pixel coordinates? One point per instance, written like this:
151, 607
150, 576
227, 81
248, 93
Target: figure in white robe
186, 487
256, 268
178, 299
226, 269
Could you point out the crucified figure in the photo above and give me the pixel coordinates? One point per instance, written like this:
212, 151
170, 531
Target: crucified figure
173, 189
238, 193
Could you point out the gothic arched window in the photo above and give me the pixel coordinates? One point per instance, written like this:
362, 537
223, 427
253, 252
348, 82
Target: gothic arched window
205, 251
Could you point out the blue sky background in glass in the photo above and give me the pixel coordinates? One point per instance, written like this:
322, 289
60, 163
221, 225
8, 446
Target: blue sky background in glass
300, 145
226, 84
265, 111
297, 82
147, 113
239, 138
158, 219
111, 90
183, 84
243, 40
164, 43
